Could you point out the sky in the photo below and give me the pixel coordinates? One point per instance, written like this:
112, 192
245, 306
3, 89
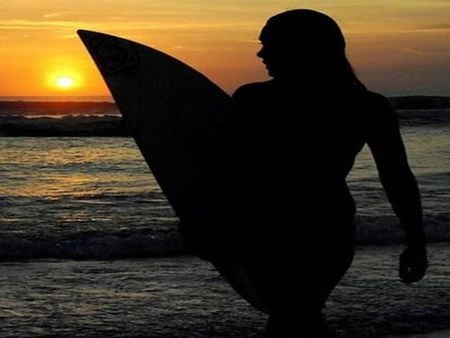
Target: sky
397, 47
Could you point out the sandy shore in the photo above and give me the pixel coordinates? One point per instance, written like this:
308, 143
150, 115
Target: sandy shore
438, 334
185, 297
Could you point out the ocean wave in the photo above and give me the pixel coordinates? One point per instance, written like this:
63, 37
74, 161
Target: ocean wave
71, 125
93, 246
84, 118
96, 245
57, 108
382, 230
420, 117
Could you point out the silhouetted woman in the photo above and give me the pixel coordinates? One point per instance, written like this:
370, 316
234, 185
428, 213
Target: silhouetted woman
297, 138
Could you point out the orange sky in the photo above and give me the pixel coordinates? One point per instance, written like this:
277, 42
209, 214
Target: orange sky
397, 47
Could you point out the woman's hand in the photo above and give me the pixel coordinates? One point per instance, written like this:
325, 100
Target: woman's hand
413, 264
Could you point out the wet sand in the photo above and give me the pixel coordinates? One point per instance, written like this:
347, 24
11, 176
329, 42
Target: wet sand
438, 334
185, 297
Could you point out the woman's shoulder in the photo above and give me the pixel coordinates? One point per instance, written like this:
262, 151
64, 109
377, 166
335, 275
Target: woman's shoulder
253, 90
376, 110
373, 100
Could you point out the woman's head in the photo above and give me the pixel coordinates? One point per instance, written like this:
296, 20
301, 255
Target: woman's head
303, 43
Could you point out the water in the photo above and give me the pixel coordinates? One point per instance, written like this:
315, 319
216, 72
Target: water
184, 297
94, 197
428, 149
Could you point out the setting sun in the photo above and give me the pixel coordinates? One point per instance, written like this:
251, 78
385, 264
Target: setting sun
64, 82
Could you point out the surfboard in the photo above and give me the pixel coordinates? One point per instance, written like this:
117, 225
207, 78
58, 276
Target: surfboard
177, 117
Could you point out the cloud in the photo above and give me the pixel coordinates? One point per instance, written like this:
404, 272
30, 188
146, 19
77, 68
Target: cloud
51, 15
435, 50
439, 26
18, 24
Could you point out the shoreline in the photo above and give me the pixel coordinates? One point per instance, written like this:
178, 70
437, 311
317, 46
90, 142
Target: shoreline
185, 297
434, 334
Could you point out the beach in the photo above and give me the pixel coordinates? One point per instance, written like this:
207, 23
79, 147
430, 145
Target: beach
185, 297
437, 334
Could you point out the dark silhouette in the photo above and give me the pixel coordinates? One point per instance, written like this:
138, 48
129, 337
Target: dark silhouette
295, 141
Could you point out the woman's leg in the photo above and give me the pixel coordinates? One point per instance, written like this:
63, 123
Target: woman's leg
295, 285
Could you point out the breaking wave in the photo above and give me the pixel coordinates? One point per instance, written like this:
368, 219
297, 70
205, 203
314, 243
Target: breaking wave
93, 245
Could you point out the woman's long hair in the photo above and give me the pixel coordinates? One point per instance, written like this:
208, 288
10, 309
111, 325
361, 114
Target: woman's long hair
315, 33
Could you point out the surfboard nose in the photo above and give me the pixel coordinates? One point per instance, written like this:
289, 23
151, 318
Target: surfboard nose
85, 35
111, 54
90, 38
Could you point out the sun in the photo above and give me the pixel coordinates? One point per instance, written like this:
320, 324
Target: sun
64, 82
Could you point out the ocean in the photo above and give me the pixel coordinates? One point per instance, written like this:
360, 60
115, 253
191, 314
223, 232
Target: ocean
94, 197
89, 246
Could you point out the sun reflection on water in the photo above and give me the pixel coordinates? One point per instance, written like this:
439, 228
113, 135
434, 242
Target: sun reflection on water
62, 167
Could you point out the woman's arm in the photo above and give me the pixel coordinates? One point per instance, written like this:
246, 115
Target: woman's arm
388, 150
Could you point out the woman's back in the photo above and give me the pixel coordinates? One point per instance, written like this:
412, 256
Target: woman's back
300, 145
